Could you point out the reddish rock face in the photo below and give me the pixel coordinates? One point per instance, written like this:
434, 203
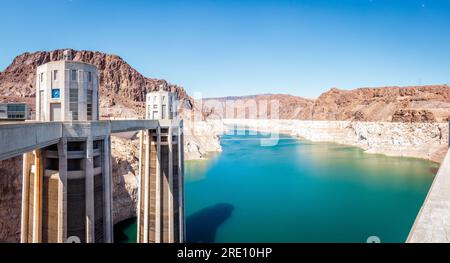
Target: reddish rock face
413, 116
404, 104
10, 194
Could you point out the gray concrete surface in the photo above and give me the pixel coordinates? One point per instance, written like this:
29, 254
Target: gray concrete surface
21, 137
432, 224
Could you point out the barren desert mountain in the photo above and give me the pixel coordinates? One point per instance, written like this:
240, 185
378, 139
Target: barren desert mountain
120, 84
397, 104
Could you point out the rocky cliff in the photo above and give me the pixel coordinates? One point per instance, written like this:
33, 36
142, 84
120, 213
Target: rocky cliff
10, 196
398, 104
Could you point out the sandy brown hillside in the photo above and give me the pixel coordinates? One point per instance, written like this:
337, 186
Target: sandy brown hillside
121, 86
400, 104
397, 104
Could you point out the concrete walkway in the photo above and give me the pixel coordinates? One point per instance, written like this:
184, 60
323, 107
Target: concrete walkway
21, 137
432, 224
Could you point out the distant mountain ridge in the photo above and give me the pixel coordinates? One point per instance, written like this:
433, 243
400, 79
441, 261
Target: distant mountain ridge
429, 103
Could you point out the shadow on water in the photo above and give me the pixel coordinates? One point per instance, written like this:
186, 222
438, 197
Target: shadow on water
126, 231
202, 226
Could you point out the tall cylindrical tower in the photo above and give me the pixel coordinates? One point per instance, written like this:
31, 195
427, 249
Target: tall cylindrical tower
161, 174
67, 186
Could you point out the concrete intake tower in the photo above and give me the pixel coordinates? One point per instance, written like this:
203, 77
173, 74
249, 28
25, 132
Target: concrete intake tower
161, 183
67, 185
67, 180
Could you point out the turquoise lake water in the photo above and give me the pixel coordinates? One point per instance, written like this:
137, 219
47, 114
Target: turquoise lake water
299, 191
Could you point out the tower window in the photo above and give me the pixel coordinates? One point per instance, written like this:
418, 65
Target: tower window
41, 104
41, 76
74, 165
74, 103
89, 105
16, 111
55, 74
163, 112
73, 75
89, 76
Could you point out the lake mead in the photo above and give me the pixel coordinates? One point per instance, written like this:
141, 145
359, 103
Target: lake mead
299, 191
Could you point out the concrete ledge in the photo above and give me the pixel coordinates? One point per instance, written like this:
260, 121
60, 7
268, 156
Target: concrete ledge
22, 137
118, 126
432, 224
18, 138
85, 129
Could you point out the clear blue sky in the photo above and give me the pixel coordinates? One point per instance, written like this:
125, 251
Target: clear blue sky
246, 47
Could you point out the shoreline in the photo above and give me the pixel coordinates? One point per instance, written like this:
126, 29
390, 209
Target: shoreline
427, 141
342, 144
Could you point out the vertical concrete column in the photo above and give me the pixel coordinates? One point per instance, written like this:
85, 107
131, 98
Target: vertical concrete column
147, 187
180, 183
141, 178
62, 191
183, 207
111, 189
169, 192
107, 193
89, 184
37, 213
25, 198
158, 211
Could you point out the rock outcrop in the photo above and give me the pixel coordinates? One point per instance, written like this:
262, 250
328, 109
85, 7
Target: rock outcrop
413, 116
10, 196
404, 104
